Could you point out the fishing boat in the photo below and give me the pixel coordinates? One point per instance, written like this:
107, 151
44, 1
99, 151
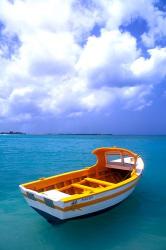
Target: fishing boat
89, 190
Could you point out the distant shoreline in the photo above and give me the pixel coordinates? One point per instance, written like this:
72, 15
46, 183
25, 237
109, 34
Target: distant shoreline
73, 134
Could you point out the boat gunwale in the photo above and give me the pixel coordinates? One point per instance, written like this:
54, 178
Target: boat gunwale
98, 191
54, 176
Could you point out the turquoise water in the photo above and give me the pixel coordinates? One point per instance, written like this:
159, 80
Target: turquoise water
137, 223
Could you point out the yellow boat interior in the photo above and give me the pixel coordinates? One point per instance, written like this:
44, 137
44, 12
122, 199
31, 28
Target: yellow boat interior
113, 166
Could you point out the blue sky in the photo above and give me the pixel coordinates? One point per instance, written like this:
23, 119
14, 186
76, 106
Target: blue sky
70, 66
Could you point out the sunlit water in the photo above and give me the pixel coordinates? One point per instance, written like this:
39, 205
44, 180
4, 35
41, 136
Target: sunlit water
137, 223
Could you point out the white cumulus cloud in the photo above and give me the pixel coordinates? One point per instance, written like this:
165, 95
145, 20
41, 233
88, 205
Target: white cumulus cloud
68, 57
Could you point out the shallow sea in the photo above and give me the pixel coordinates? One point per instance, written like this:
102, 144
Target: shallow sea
137, 223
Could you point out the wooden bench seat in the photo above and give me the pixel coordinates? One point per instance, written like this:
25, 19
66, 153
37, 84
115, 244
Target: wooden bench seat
97, 181
77, 185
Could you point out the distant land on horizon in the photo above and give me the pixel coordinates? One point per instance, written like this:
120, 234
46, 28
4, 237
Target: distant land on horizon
97, 134
12, 133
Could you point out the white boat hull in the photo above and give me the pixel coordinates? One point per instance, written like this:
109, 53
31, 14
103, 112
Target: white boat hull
110, 199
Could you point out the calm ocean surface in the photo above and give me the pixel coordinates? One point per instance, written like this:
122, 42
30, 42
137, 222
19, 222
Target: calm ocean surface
137, 223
